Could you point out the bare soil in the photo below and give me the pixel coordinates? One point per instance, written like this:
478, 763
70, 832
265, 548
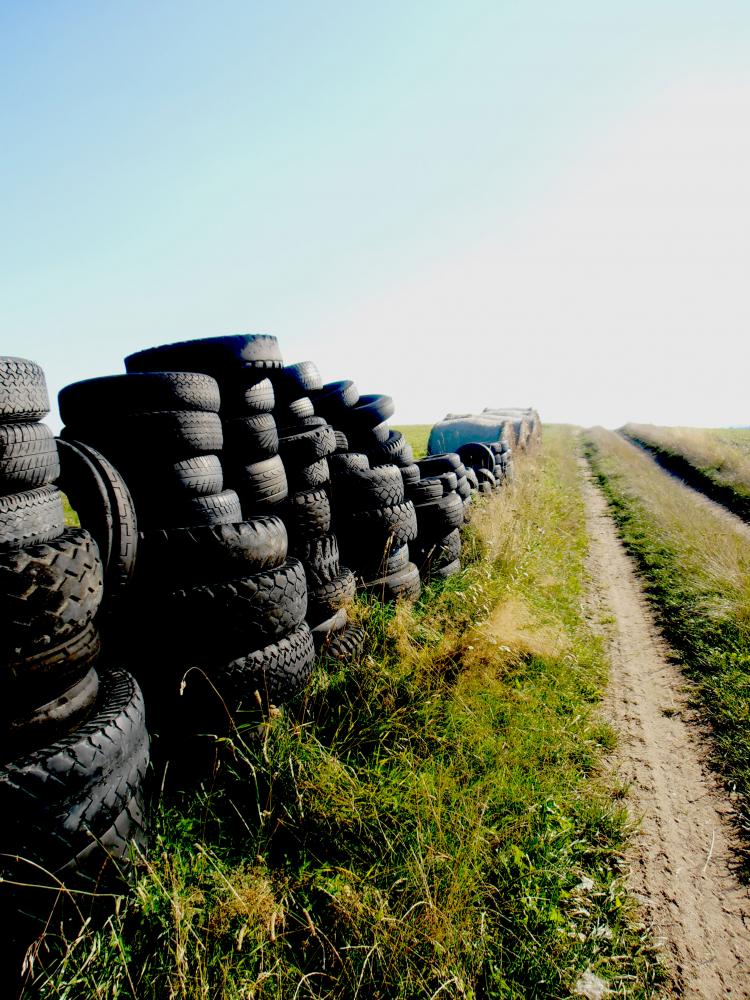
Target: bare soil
685, 854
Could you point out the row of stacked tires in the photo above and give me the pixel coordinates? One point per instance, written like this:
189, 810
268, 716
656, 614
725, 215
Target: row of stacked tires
75, 747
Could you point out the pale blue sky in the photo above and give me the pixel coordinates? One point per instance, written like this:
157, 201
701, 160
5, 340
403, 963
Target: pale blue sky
459, 204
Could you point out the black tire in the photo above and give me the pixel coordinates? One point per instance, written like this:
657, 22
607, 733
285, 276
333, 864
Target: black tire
28, 457
434, 465
366, 439
335, 398
369, 411
252, 439
309, 477
471, 478
290, 413
41, 722
245, 396
476, 455
307, 515
345, 644
343, 462
441, 552
406, 585
23, 391
307, 446
369, 488
323, 631
383, 563
397, 524
294, 381
105, 508
259, 485
119, 395
277, 672
165, 434
463, 488
57, 800
217, 356
325, 599
48, 592
190, 512
31, 517
395, 451
443, 572
200, 476
342, 442
320, 557
235, 614
54, 669
411, 474
486, 476
192, 555
439, 517
425, 490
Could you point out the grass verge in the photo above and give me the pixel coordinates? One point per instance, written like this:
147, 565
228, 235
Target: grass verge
417, 436
427, 822
715, 461
696, 567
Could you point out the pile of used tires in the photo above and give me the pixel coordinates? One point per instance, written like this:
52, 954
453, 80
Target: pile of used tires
75, 747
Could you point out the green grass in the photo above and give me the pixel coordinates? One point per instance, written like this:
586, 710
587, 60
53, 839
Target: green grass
416, 435
430, 821
696, 567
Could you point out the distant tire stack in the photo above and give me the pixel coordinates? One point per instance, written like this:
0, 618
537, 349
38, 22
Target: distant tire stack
235, 599
373, 518
441, 498
306, 440
481, 459
70, 783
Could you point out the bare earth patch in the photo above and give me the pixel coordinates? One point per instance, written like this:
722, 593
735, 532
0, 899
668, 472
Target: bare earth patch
685, 853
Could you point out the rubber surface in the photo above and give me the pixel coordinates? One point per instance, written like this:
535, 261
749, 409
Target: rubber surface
30, 517
28, 457
119, 395
277, 671
23, 391
212, 355
307, 515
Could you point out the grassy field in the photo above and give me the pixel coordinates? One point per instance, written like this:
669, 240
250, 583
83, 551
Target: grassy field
715, 460
416, 435
697, 571
429, 821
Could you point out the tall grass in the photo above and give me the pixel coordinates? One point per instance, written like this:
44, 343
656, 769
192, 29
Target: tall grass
697, 569
721, 456
428, 821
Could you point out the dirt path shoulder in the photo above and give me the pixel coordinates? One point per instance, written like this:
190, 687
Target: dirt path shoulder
684, 855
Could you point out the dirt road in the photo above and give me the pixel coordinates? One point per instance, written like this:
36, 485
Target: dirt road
684, 857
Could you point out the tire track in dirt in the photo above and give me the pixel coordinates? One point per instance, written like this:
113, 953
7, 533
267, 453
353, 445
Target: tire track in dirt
684, 856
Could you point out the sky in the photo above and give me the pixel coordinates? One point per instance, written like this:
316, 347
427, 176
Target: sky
462, 205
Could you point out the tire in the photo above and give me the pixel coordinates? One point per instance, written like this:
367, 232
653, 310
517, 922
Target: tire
54, 669
476, 455
309, 477
368, 438
295, 381
288, 414
277, 671
246, 611
370, 488
105, 508
405, 584
342, 443
471, 478
463, 488
325, 630
307, 515
395, 451
307, 446
443, 572
191, 512
320, 557
397, 524
411, 474
48, 592
487, 477
439, 517
433, 487
58, 799
253, 438
23, 391
200, 476
217, 356
116, 396
28, 457
24, 726
243, 398
325, 599
441, 552
259, 485
177, 556
344, 462
345, 644
162, 434
383, 563
335, 398
369, 411
30, 518
434, 465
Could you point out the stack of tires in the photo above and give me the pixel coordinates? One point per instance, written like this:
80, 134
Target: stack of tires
441, 499
215, 598
374, 520
305, 443
480, 458
74, 745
